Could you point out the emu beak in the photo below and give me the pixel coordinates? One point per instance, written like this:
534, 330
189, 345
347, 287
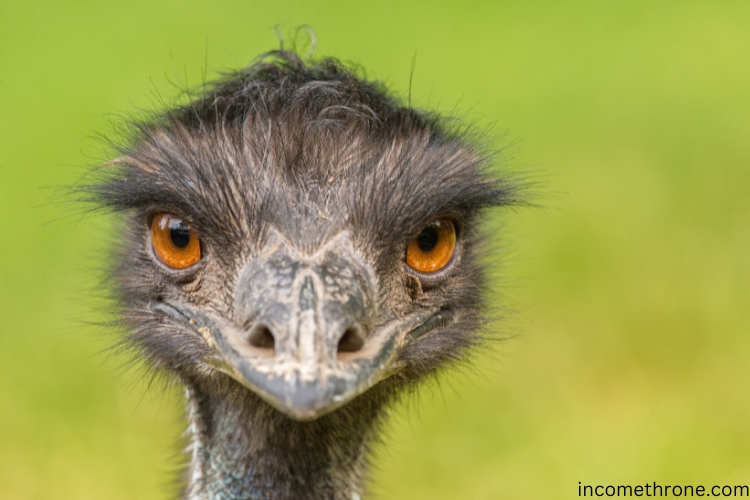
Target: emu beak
310, 344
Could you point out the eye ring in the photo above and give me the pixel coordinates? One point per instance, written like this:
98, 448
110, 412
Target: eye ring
173, 242
433, 250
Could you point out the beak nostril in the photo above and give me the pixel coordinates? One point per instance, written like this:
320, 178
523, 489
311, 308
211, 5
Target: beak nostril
352, 340
261, 337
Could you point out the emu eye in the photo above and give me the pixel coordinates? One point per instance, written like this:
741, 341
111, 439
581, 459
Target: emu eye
433, 248
174, 243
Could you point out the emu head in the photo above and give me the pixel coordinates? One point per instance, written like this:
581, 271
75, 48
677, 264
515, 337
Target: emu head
301, 231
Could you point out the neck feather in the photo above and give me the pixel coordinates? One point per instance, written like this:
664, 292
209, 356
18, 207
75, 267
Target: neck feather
241, 448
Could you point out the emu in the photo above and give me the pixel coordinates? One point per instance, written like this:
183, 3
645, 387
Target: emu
298, 247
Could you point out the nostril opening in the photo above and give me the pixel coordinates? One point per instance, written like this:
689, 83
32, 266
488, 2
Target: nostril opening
261, 337
352, 340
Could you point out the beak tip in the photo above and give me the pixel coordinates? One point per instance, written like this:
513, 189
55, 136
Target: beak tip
301, 416
302, 401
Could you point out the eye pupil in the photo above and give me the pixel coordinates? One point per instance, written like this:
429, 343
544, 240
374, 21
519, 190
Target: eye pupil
427, 239
180, 236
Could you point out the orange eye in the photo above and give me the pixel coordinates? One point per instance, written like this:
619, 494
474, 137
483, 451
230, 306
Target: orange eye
174, 243
433, 248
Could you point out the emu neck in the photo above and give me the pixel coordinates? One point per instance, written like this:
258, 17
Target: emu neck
241, 448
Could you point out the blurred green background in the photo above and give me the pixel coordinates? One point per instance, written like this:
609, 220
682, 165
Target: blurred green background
631, 282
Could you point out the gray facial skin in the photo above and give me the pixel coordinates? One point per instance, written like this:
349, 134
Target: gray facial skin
308, 304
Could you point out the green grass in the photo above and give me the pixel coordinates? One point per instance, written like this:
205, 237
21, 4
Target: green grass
632, 281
